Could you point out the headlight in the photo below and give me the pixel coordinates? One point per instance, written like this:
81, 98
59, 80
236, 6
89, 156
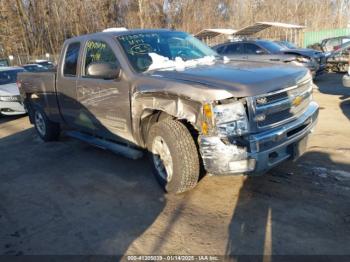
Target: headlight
231, 119
10, 98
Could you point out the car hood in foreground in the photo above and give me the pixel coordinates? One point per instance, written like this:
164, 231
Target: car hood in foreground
239, 78
9, 90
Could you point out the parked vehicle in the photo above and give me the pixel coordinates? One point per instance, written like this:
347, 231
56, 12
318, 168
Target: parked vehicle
265, 50
4, 62
34, 68
167, 92
10, 100
338, 60
45, 63
287, 44
333, 43
346, 79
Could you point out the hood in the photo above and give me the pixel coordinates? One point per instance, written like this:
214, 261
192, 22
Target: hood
9, 90
304, 52
240, 78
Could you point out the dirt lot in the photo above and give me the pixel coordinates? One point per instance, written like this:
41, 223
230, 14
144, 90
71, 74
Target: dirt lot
67, 197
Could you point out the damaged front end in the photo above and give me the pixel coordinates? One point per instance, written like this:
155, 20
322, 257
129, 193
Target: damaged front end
221, 145
252, 135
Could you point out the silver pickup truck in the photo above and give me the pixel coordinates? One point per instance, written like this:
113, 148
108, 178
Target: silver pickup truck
165, 93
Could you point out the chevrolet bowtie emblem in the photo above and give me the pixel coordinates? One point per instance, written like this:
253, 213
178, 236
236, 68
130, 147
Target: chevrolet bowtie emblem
297, 101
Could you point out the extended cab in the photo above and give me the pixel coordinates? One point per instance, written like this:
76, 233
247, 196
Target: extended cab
167, 93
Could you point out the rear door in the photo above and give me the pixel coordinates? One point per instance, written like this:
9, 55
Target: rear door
105, 107
67, 76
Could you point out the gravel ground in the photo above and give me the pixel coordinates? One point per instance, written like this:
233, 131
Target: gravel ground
67, 197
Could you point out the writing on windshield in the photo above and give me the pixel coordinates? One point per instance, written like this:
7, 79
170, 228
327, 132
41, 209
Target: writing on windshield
170, 45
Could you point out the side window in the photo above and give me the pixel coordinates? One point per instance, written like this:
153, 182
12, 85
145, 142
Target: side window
71, 60
221, 49
98, 52
234, 49
253, 49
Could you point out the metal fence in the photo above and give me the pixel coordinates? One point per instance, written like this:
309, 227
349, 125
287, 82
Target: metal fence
317, 36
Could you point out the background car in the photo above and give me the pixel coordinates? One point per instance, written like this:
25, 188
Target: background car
346, 79
34, 68
271, 51
4, 62
45, 63
338, 60
287, 44
10, 100
334, 43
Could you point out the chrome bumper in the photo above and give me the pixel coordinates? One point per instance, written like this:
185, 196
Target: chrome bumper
257, 153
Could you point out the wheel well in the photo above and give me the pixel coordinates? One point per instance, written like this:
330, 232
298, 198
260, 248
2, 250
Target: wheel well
157, 116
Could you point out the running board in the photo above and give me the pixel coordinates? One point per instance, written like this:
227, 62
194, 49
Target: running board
107, 145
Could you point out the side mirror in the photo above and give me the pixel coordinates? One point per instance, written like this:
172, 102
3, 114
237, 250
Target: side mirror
259, 52
103, 70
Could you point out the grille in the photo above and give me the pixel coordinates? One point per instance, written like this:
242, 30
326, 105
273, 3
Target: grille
284, 114
282, 106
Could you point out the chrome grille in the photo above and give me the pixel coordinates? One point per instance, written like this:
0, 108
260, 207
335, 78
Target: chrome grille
279, 107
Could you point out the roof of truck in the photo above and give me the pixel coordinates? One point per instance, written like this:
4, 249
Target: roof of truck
125, 32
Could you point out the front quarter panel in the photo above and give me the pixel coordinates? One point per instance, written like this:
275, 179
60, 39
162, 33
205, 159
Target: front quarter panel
151, 97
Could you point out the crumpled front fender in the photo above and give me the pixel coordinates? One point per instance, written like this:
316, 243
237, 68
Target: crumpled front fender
145, 103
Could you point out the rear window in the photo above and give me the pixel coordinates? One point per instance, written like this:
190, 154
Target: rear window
71, 60
9, 77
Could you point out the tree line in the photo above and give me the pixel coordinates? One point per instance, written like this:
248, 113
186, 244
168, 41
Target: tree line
36, 27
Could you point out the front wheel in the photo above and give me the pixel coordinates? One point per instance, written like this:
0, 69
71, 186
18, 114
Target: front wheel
46, 129
174, 155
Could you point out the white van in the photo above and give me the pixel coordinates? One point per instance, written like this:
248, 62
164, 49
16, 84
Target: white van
10, 100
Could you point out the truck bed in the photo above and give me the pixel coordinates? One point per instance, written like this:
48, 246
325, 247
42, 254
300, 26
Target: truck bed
40, 89
40, 82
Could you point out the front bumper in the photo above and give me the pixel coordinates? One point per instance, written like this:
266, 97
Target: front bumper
12, 108
257, 153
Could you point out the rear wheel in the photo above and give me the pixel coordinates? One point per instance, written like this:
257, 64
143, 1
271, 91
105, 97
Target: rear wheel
174, 155
46, 129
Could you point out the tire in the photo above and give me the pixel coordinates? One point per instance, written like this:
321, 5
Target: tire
183, 165
46, 129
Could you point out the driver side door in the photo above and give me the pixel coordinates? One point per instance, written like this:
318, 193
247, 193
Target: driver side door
105, 102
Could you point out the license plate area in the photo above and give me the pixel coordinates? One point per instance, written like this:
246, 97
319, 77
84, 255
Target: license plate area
298, 148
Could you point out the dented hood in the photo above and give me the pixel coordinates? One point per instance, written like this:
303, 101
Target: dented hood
239, 78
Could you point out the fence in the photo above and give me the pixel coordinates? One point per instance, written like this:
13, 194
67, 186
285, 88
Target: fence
317, 36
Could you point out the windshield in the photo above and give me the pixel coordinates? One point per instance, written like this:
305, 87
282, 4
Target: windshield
143, 49
8, 77
287, 44
271, 46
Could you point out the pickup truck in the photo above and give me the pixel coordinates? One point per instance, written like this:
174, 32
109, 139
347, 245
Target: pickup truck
166, 94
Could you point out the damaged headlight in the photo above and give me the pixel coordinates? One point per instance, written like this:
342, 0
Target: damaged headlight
231, 119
